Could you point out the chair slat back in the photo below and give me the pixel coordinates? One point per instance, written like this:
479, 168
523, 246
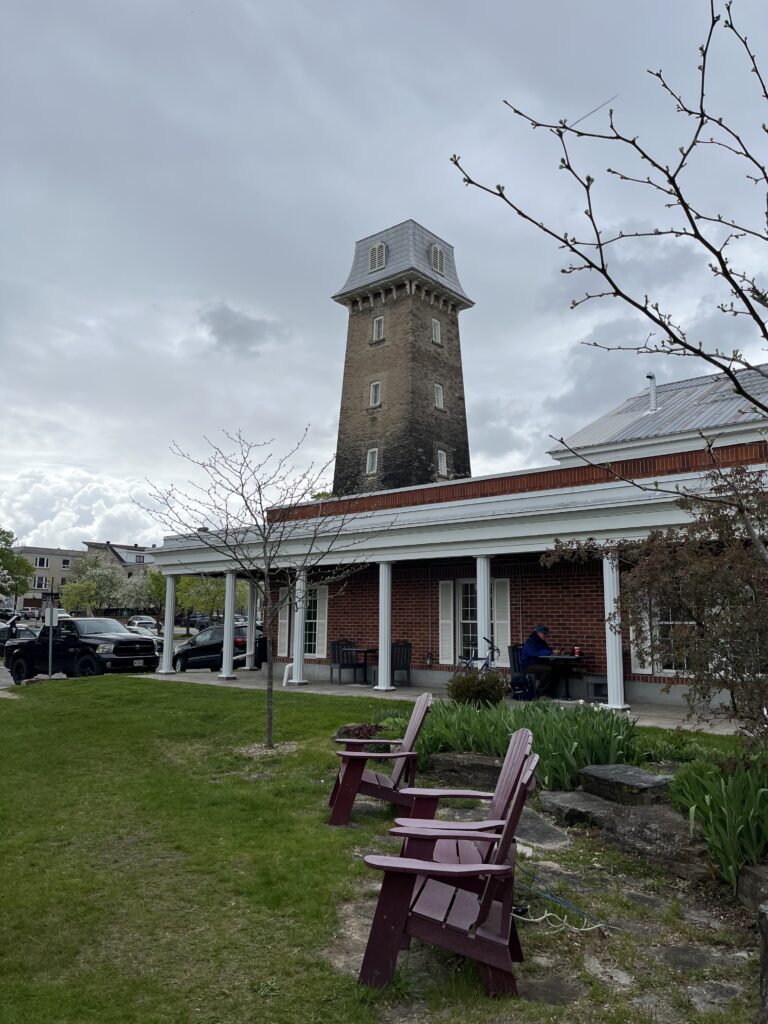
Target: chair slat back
524, 788
419, 713
514, 659
517, 752
401, 655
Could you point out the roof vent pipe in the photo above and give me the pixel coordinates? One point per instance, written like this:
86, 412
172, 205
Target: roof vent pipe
653, 407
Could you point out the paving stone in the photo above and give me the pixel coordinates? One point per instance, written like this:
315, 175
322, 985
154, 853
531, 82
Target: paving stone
536, 831
702, 918
646, 899
753, 885
657, 1008
713, 995
689, 957
624, 783
655, 833
611, 975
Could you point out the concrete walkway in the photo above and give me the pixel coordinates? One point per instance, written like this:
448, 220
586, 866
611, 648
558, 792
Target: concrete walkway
663, 716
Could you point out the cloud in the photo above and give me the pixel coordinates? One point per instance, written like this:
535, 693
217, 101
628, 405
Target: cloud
239, 333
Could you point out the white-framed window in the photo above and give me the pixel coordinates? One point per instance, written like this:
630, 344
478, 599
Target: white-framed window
663, 623
315, 623
41, 562
437, 255
139, 558
63, 581
41, 583
377, 257
442, 463
372, 461
65, 563
458, 619
439, 399
374, 398
437, 338
378, 328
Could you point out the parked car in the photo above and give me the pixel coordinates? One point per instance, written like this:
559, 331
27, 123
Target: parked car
142, 620
81, 647
23, 632
198, 620
144, 631
204, 650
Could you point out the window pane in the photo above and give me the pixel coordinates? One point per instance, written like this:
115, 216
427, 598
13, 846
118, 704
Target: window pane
310, 622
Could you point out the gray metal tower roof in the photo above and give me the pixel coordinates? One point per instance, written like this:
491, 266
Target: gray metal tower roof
700, 403
408, 249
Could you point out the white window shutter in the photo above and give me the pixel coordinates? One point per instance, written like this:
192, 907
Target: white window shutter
322, 621
445, 656
501, 631
283, 621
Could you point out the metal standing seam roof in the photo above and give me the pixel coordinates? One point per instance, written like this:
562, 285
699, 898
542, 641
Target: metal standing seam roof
700, 403
408, 248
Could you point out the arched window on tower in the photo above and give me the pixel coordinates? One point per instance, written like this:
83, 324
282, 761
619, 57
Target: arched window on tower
377, 257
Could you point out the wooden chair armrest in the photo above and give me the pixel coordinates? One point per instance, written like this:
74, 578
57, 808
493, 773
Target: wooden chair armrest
445, 794
378, 755
450, 826
359, 743
437, 833
406, 866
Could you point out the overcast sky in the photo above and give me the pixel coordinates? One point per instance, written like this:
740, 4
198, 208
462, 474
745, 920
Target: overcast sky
182, 185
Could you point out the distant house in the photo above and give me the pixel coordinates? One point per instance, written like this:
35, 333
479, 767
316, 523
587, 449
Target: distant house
52, 567
451, 562
130, 558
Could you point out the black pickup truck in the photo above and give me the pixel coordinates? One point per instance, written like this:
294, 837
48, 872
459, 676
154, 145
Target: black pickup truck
81, 647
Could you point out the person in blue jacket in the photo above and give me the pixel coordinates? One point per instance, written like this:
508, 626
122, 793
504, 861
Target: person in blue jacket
535, 648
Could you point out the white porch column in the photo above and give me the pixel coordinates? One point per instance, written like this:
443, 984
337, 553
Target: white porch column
384, 681
250, 642
169, 617
613, 653
299, 619
227, 670
483, 571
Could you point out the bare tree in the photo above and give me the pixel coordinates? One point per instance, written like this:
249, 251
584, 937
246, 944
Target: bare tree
261, 513
711, 234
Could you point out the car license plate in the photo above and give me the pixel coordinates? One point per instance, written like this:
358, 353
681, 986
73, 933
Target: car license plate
137, 662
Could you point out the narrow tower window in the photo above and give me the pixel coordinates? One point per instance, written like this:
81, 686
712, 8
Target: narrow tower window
442, 463
375, 396
439, 396
377, 257
438, 259
372, 461
436, 336
378, 328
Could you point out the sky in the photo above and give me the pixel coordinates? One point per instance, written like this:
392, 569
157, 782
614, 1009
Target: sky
182, 185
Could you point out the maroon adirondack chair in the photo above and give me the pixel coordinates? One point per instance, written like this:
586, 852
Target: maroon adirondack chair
464, 905
353, 777
427, 801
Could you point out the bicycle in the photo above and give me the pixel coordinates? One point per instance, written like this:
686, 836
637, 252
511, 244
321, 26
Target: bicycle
474, 661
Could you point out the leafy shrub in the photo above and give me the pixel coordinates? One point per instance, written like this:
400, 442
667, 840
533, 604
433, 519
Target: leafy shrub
672, 746
471, 686
729, 799
566, 739
393, 727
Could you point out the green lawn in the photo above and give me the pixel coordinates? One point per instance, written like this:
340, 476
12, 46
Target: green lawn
151, 873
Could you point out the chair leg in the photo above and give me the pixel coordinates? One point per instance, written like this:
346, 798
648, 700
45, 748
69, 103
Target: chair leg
497, 982
350, 774
388, 930
335, 790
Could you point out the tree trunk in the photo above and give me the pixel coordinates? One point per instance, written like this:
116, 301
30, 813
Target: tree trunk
268, 616
762, 921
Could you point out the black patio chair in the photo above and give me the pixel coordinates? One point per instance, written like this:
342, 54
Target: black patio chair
401, 659
343, 655
523, 683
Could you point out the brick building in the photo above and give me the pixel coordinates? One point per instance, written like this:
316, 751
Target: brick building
403, 419
450, 562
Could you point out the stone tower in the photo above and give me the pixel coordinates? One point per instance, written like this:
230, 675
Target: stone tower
402, 420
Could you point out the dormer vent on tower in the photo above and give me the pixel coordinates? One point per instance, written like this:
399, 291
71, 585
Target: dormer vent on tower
403, 420
377, 257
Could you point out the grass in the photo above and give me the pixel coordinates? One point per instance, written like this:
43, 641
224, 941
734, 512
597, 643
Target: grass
154, 873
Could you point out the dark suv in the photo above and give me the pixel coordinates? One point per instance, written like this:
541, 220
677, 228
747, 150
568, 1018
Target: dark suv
204, 650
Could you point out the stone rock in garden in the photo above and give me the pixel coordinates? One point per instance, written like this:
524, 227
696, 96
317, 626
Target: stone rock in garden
467, 771
551, 989
611, 975
624, 784
762, 921
713, 995
539, 833
753, 885
653, 832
